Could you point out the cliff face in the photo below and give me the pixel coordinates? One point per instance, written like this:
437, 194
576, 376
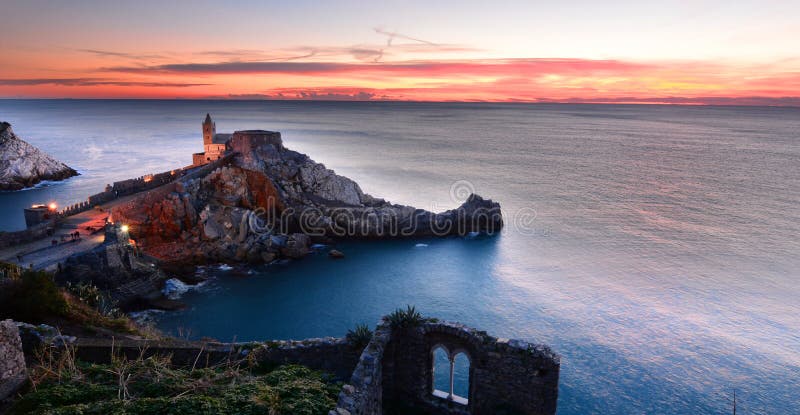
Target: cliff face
267, 202
23, 165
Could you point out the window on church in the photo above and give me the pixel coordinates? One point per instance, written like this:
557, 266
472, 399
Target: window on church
450, 375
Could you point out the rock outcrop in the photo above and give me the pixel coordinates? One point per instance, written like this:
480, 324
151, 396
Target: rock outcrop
12, 361
23, 165
130, 280
266, 202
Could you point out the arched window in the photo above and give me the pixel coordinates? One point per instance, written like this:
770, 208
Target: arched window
450, 375
461, 375
441, 371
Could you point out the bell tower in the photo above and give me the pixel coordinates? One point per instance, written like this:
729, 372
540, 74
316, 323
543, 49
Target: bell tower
209, 130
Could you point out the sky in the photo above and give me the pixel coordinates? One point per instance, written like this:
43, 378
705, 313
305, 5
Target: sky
681, 52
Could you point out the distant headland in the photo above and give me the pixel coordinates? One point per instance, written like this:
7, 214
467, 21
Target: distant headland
23, 165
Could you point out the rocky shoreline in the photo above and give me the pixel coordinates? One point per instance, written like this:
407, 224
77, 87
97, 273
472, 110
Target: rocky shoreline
23, 165
260, 203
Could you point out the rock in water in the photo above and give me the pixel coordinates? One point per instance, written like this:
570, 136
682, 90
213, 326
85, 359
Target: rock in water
336, 254
23, 165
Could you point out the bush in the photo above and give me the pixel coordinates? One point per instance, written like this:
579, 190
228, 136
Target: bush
407, 318
95, 298
32, 298
360, 336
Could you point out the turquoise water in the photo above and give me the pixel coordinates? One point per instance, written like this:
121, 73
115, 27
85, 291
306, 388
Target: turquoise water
654, 247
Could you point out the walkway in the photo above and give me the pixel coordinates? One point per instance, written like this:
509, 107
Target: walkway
43, 254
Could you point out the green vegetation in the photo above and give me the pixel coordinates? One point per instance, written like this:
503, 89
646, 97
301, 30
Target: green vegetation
94, 298
360, 336
35, 298
62, 385
32, 298
407, 318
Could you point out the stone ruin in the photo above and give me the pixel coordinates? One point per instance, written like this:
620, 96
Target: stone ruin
393, 374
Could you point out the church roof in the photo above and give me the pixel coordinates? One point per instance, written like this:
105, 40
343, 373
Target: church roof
208, 119
221, 138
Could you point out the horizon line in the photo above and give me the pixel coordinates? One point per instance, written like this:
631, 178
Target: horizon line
514, 102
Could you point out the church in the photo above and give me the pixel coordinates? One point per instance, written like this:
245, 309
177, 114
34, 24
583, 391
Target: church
214, 144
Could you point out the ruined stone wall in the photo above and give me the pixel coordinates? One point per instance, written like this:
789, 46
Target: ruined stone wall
394, 371
505, 376
334, 356
363, 395
12, 360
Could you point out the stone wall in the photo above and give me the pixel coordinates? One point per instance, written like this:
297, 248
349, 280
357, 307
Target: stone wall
246, 141
198, 159
505, 376
123, 188
392, 374
20, 237
12, 360
364, 393
334, 356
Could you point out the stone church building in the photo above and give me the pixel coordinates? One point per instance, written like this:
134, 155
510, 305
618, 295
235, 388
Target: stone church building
214, 144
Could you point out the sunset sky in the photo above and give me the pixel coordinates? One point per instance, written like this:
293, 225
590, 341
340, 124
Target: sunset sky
690, 52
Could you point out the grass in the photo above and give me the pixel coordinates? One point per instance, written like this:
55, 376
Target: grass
407, 318
60, 384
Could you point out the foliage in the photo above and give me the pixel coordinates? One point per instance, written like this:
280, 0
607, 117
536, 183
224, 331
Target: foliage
80, 313
360, 336
63, 385
407, 318
32, 298
94, 298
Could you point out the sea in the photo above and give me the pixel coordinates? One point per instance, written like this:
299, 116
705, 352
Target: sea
655, 248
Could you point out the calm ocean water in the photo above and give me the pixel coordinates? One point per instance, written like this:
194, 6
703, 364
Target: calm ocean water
656, 248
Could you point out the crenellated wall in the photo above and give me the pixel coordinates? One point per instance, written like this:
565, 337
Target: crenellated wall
124, 188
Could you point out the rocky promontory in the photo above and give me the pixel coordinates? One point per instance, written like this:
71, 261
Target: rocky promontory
23, 165
263, 202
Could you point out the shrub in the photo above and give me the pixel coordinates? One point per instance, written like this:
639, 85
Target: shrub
32, 298
407, 318
95, 298
360, 336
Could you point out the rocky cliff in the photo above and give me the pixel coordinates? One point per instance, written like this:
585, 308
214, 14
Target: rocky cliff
265, 202
23, 165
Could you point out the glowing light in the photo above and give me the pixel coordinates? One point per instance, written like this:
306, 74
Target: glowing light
124, 228
52, 206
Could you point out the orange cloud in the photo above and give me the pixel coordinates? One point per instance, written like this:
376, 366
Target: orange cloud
353, 74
